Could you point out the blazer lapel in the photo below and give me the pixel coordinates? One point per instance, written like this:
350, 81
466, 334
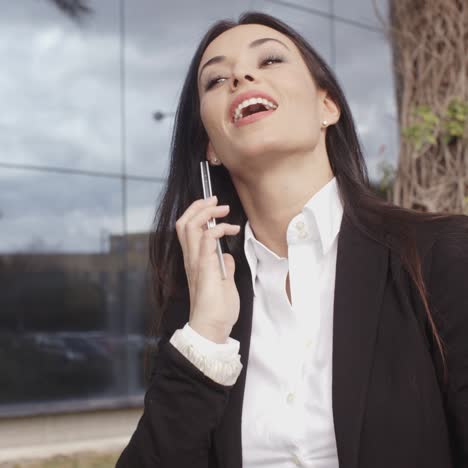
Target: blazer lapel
360, 280
361, 274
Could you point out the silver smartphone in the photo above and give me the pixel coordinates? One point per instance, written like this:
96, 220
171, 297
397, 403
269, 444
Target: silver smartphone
207, 193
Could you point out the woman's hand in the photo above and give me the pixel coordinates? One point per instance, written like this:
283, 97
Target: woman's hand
214, 302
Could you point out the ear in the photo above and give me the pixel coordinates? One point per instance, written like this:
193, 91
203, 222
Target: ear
211, 154
330, 111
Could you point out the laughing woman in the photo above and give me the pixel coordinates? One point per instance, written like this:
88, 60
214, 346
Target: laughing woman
340, 336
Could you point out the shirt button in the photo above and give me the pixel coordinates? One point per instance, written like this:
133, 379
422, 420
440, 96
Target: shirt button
296, 460
300, 225
290, 397
308, 344
303, 234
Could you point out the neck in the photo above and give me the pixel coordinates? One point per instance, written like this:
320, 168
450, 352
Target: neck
273, 197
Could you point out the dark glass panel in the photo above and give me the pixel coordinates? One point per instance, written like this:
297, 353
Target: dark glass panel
62, 319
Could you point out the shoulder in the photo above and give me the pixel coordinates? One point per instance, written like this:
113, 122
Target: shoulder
449, 250
443, 249
440, 243
442, 239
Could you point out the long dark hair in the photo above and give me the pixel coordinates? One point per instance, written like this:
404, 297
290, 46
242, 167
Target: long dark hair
364, 208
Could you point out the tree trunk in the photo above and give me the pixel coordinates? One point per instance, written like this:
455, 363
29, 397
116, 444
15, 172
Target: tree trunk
430, 53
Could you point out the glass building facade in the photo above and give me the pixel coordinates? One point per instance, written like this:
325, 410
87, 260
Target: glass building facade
88, 99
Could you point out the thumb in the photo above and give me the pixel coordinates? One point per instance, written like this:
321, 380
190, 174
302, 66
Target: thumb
230, 265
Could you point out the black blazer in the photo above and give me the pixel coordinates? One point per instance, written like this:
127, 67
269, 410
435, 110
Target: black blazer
390, 408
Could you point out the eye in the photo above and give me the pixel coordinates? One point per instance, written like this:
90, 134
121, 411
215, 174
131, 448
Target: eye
213, 81
266, 61
272, 59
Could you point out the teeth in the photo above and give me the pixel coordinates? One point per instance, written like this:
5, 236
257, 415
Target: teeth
249, 102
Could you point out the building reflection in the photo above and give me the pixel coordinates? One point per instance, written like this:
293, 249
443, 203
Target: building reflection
64, 331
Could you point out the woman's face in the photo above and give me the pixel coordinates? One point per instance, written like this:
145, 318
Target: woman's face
258, 59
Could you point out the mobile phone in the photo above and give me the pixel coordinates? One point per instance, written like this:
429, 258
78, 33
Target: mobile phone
207, 193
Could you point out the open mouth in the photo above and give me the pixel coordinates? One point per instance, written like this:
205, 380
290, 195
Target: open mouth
252, 106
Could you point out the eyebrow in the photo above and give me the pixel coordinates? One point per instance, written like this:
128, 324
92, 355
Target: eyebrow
256, 43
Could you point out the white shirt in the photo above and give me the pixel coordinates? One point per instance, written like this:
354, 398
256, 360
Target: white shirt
287, 417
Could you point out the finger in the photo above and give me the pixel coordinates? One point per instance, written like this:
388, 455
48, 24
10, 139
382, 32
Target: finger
194, 208
194, 229
208, 245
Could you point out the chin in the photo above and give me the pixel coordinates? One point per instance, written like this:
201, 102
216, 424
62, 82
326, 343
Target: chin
261, 144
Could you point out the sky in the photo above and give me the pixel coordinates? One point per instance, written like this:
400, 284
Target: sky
60, 91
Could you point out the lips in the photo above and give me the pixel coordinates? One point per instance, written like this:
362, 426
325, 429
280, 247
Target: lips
253, 118
247, 95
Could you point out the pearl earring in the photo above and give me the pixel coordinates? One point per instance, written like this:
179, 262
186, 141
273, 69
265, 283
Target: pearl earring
324, 123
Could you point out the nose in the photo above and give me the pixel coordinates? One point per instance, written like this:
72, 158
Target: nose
238, 79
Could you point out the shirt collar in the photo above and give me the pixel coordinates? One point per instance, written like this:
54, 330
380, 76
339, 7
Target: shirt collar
322, 215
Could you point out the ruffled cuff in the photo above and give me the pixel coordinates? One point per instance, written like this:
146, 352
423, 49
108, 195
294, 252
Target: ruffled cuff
219, 362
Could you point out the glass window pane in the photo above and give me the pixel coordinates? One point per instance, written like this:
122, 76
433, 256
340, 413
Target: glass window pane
364, 68
316, 5
161, 38
362, 11
142, 201
62, 86
316, 29
62, 296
